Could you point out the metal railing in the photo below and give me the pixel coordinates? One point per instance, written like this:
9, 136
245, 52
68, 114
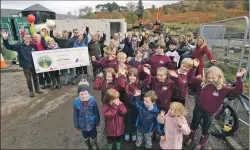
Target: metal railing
228, 40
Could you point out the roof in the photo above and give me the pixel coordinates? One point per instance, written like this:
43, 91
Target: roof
62, 16
37, 7
9, 12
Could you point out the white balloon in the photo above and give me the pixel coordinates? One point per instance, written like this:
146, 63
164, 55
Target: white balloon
50, 23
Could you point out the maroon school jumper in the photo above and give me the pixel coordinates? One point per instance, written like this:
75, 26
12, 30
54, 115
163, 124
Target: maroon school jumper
114, 123
180, 95
164, 91
209, 98
130, 88
102, 85
106, 63
157, 61
199, 53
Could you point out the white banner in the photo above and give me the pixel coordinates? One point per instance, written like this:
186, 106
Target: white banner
50, 60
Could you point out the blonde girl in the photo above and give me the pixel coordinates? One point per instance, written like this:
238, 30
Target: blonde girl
175, 125
113, 111
210, 94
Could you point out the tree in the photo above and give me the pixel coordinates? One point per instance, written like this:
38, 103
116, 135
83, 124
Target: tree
131, 6
246, 5
86, 12
230, 4
131, 17
69, 13
123, 8
153, 6
140, 9
108, 7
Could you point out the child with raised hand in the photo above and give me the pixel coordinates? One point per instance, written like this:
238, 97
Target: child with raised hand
175, 124
121, 58
86, 115
113, 111
132, 83
182, 72
164, 87
210, 94
109, 61
147, 118
160, 60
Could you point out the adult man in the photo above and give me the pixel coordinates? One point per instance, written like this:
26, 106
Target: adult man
24, 51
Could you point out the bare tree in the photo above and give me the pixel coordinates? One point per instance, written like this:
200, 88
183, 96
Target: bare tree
69, 13
131, 6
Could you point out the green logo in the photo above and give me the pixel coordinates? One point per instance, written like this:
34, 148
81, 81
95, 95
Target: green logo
45, 61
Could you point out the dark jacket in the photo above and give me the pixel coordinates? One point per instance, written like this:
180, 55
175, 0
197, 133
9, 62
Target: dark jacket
86, 118
128, 48
146, 120
114, 123
63, 43
209, 98
137, 64
24, 52
94, 48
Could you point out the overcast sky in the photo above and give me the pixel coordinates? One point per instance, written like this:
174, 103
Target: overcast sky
62, 7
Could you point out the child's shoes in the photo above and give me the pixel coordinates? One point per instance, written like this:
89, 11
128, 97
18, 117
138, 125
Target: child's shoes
127, 137
133, 138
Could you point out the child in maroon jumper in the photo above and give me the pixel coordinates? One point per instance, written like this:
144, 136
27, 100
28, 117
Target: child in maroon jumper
164, 87
179, 95
121, 58
106, 81
113, 111
109, 61
161, 60
132, 85
138, 62
210, 94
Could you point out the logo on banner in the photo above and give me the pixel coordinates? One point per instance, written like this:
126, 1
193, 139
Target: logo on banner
44, 61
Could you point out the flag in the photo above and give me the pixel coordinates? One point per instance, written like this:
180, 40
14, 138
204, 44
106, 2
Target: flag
158, 15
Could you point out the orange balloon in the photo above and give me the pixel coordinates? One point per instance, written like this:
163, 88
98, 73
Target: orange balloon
31, 18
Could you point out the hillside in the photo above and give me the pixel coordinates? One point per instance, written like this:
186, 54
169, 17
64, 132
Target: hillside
191, 12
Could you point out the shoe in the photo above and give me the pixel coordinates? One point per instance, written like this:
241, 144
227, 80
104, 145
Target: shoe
118, 145
110, 146
43, 86
133, 138
39, 92
86, 142
202, 143
190, 139
93, 144
127, 137
65, 84
32, 94
58, 86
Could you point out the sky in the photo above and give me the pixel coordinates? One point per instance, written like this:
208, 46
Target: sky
62, 7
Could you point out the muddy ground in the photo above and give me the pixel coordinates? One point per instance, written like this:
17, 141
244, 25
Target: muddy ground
45, 121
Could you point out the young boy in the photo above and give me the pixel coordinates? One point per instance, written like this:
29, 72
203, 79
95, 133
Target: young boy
86, 115
160, 60
147, 118
179, 95
172, 53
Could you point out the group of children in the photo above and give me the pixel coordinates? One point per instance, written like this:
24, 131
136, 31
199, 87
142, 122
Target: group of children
145, 93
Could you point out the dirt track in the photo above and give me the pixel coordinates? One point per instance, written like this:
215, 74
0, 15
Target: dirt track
45, 122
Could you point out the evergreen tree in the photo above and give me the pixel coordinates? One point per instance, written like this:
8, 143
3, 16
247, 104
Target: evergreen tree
140, 9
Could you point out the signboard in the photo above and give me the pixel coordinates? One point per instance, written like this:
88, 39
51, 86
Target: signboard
51, 60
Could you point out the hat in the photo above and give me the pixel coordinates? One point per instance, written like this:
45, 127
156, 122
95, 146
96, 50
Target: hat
83, 85
173, 42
